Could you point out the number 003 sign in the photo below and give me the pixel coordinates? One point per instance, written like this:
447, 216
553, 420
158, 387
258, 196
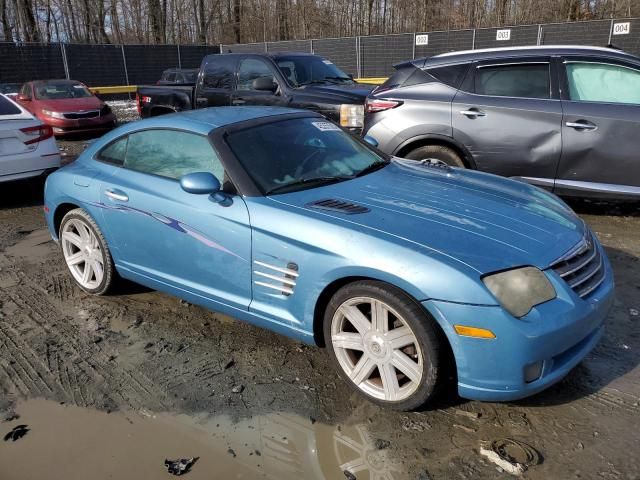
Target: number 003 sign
503, 34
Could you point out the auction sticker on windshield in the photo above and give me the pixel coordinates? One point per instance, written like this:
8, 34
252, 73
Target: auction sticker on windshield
326, 126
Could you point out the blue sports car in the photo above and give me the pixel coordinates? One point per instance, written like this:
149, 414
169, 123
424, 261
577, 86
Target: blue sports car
400, 267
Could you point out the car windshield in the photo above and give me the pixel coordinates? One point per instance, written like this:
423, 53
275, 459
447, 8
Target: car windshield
302, 70
190, 76
295, 154
59, 90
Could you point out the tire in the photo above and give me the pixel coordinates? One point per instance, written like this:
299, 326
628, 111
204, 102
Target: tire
439, 152
83, 246
358, 350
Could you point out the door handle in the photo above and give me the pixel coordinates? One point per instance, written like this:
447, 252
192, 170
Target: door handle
116, 195
201, 101
581, 125
472, 112
238, 101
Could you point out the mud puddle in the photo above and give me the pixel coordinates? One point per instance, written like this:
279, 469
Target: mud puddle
70, 442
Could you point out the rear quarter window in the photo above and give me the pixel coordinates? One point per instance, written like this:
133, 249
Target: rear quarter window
7, 107
405, 76
450, 74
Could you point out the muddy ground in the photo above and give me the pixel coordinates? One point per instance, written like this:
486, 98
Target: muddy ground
109, 387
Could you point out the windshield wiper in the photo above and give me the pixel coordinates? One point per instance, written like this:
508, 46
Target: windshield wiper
307, 181
339, 78
371, 168
315, 82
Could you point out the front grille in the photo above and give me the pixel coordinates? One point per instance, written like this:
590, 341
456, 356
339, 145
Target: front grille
78, 115
582, 268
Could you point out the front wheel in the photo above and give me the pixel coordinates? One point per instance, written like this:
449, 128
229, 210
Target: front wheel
86, 252
438, 152
383, 343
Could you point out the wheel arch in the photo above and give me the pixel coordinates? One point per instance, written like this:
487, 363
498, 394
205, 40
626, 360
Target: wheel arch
435, 139
59, 213
327, 293
161, 110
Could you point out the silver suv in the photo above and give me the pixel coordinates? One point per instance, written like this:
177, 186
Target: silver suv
564, 118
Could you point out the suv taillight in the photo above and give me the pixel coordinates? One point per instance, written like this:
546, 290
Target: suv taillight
37, 134
373, 105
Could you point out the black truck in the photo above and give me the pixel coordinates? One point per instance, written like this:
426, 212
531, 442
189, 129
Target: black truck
296, 80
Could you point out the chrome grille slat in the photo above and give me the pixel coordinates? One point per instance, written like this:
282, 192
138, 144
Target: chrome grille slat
582, 267
564, 273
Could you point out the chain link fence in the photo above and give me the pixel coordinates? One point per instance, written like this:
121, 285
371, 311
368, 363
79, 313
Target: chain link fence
97, 65
374, 56
370, 56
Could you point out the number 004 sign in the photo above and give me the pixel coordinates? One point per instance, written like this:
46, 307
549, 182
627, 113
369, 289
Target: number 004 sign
622, 28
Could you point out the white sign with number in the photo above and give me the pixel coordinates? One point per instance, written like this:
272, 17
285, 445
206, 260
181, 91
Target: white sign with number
622, 28
503, 34
422, 39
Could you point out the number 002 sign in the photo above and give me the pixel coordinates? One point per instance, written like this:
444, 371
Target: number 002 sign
503, 34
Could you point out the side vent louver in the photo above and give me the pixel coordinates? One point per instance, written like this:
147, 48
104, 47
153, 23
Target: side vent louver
338, 206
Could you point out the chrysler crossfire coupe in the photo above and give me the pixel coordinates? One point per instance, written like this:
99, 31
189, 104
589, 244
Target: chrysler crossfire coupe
280, 218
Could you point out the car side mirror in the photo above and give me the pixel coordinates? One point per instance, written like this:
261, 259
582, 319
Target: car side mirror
265, 84
370, 140
23, 98
203, 183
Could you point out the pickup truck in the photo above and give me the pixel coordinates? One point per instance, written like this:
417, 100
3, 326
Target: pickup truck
296, 80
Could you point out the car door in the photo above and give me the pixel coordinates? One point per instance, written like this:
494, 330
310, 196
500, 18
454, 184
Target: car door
160, 232
601, 122
507, 114
216, 81
246, 93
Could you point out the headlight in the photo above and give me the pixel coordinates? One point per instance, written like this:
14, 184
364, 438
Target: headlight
521, 289
351, 116
49, 113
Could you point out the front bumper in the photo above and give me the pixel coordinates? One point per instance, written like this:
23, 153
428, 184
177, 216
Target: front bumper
67, 126
555, 336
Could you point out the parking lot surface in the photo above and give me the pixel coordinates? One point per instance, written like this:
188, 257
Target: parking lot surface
113, 386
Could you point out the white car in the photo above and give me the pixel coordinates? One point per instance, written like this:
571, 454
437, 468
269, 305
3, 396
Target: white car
27, 146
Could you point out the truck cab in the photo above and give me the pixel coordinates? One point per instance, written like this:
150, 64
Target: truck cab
295, 80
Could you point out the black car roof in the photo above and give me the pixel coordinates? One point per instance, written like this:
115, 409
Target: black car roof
500, 53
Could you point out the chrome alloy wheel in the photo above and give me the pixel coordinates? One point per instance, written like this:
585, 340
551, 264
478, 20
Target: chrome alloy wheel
83, 253
377, 349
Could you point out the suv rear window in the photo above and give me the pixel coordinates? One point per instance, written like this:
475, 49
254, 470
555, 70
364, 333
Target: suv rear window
525, 80
405, 76
450, 74
7, 107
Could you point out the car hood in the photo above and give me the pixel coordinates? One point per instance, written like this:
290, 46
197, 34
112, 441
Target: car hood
486, 222
344, 93
71, 104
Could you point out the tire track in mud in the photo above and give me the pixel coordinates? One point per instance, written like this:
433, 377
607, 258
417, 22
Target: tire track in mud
73, 363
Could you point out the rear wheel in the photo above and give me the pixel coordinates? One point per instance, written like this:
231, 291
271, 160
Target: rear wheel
86, 252
439, 152
383, 343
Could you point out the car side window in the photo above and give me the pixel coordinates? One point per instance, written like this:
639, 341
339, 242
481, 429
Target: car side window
524, 80
219, 73
171, 154
26, 90
602, 82
450, 74
114, 153
250, 69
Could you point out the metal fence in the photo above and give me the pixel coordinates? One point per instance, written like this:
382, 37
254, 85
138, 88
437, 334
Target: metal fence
375, 55
370, 56
96, 65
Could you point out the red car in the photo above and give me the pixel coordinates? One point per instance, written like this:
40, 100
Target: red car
67, 106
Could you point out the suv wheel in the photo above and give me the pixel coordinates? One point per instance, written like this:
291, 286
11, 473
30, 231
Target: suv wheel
439, 152
383, 343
